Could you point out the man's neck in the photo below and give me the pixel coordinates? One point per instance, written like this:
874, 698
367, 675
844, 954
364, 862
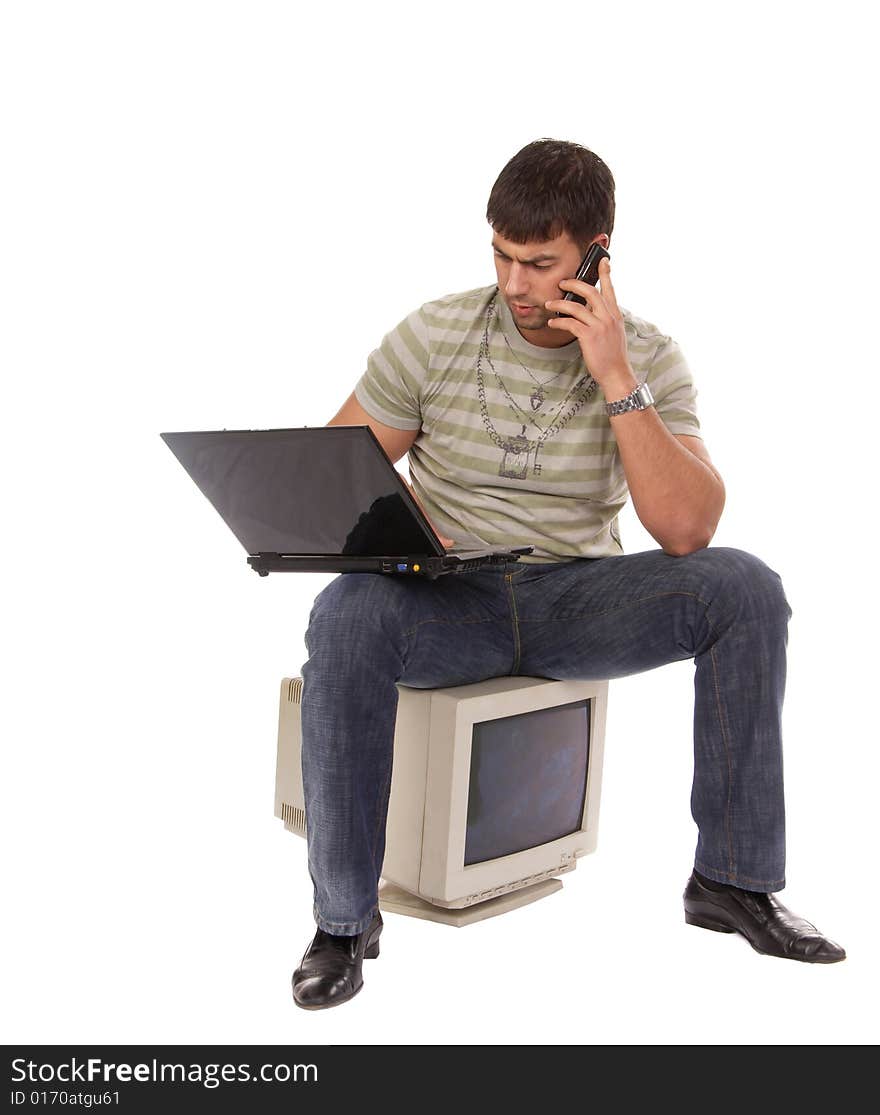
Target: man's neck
545, 337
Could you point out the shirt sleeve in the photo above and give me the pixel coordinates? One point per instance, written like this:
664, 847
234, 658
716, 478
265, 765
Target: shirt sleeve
672, 386
390, 390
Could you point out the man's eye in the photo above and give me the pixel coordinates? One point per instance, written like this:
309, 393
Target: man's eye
543, 266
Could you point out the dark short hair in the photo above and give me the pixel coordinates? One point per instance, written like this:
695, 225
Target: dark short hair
549, 187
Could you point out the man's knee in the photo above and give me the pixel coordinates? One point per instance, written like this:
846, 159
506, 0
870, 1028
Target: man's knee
353, 607
742, 581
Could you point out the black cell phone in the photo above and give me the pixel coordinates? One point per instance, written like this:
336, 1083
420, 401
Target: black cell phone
588, 272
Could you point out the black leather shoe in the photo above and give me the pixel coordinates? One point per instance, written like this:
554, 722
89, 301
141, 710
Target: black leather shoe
766, 924
330, 971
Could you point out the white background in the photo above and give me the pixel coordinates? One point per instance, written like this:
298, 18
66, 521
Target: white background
211, 213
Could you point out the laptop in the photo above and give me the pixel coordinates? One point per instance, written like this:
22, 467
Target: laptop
322, 499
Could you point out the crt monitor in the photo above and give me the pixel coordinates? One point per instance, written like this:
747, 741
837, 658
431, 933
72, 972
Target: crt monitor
494, 792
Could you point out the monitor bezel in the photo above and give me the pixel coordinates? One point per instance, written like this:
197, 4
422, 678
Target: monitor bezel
444, 878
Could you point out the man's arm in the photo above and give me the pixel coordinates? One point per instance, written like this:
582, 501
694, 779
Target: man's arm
395, 443
676, 491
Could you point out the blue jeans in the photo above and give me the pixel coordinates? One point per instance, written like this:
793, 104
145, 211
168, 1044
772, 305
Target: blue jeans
600, 618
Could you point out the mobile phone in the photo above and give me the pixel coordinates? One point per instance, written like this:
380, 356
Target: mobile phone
588, 272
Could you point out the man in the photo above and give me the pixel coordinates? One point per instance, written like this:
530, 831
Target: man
527, 423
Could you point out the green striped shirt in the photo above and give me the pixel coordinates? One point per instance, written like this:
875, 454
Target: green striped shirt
514, 447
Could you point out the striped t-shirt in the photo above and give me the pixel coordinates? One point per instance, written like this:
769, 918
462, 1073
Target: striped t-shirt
514, 447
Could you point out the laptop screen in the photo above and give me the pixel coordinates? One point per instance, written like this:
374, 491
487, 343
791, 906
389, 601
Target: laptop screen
321, 490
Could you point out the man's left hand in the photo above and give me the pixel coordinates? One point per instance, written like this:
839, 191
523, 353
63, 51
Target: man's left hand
599, 329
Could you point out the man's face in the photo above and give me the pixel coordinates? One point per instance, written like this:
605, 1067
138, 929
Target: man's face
529, 275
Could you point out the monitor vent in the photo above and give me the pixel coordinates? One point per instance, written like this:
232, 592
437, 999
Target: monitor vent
294, 690
293, 818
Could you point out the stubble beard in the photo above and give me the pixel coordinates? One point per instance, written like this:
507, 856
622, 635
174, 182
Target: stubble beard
541, 323
537, 318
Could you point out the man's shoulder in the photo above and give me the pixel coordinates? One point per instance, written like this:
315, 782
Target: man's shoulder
458, 310
639, 328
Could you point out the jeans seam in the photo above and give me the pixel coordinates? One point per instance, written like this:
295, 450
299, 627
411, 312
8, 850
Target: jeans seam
727, 814
379, 819
386, 788
516, 640
630, 603
701, 865
344, 924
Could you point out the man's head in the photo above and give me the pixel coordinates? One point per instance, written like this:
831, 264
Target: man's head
551, 201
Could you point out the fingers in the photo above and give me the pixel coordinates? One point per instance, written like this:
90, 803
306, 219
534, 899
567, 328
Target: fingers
601, 302
572, 312
575, 309
607, 286
569, 324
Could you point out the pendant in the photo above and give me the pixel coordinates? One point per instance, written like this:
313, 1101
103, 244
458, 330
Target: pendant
537, 398
515, 462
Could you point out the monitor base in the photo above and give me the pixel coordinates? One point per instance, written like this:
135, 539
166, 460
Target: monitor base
395, 900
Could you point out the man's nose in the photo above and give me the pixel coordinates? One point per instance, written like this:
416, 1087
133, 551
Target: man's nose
517, 280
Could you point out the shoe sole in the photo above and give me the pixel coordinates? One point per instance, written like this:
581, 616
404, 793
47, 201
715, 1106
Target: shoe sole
715, 926
703, 922
326, 1006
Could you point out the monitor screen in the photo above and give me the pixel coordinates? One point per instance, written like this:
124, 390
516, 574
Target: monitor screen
528, 780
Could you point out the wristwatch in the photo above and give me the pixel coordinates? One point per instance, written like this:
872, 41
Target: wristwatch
638, 399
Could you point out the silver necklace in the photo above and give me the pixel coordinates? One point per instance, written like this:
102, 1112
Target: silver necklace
518, 449
537, 396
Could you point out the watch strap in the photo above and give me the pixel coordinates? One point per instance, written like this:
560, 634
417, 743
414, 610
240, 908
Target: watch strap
638, 399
